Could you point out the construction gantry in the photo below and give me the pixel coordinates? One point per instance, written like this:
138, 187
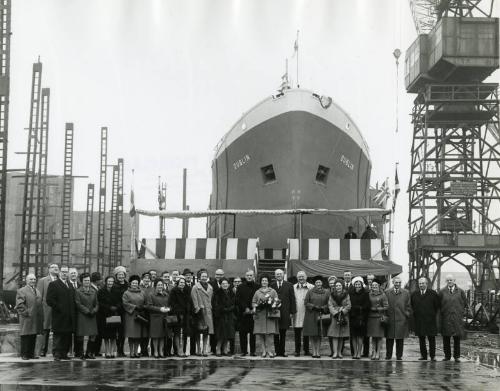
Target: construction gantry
5, 13
454, 198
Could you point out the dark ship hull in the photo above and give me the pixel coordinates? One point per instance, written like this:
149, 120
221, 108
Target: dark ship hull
296, 150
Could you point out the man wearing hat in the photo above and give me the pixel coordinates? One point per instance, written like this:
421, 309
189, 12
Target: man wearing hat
369, 233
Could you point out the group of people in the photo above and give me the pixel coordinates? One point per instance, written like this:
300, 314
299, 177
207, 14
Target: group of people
158, 314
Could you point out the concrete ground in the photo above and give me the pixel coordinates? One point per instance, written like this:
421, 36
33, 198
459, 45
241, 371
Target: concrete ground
235, 373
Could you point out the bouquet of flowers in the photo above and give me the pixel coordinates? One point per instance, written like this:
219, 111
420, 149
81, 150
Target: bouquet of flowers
270, 304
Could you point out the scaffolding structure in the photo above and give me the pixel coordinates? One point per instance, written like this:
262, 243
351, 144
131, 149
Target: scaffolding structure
113, 239
119, 215
5, 13
101, 217
42, 202
67, 199
455, 176
454, 197
89, 221
28, 236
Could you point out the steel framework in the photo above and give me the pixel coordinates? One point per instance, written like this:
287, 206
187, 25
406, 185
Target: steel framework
42, 202
27, 238
454, 197
67, 195
89, 220
5, 13
112, 259
119, 215
101, 217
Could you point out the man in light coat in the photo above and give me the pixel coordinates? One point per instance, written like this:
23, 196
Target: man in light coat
300, 290
453, 303
398, 313
43, 285
30, 309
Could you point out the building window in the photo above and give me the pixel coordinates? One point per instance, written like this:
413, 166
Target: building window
322, 174
268, 174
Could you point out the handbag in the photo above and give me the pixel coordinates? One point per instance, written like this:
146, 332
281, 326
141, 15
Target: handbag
324, 318
141, 319
113, 320
384, 320
341, 320
274, 314
171, 320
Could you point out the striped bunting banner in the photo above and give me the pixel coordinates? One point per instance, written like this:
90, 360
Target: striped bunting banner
231, 248
337, 249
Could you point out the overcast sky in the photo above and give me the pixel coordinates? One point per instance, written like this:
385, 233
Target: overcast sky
170, 77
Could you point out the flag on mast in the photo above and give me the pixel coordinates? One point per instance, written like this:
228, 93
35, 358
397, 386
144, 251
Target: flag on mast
383, 194
396, 189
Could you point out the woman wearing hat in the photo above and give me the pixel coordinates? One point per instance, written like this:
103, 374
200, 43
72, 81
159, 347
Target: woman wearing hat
360, 306
339, 305
109, 304
157, 306
86, 309
331, 288
224, 307
201, 294
316, 303
180, 304
120, 287
134, 301
375, 328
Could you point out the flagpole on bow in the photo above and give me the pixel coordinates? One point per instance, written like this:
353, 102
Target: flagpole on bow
393, 210
133, 253
296, 48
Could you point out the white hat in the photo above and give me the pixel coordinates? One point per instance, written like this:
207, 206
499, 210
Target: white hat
357, 278
120, 269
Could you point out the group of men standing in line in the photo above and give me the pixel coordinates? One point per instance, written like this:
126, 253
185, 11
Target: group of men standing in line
42, 308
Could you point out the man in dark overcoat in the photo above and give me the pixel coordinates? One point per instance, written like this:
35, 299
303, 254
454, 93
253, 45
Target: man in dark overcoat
425, 306
453, 303
288, 308
43, 286
215, 282
61, 298
244, 296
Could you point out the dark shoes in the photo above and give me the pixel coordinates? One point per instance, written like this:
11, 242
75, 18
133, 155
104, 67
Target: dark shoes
422, 359
446, 359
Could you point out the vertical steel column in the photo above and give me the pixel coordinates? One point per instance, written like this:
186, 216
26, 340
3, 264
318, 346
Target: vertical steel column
41, 208
119, 216
29, 175
184, 203
112, 224
4, 120
67, 194
89, 220
101, 218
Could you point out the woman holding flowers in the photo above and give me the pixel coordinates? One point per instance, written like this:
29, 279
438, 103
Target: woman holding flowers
265, 304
